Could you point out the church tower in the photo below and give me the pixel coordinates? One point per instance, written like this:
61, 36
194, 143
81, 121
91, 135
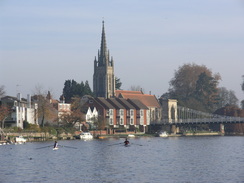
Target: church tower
103, 77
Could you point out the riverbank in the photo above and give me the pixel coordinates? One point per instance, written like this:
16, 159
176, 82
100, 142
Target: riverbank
36, 136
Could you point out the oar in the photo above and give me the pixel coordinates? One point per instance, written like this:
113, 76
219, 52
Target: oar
44, 147
137, 144
68, 147
115, 144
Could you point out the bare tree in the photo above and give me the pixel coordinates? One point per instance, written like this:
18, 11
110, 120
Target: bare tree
4, 113
46, 111
137, 88
2, 91
227, 97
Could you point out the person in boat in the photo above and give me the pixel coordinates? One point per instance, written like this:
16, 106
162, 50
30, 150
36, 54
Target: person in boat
55, 144
126, 142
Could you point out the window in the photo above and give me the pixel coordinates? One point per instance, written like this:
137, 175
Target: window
141, 112
121, 121
131, 121
131, 112
111, 121
121, 112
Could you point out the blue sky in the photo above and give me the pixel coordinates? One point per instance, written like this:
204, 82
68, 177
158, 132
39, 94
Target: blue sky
49, 41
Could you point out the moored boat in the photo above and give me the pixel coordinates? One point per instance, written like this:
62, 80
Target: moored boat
20, 139
163, 134
86, 135
131, 136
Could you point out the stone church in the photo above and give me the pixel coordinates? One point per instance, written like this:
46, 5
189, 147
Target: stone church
103, 77
104, 85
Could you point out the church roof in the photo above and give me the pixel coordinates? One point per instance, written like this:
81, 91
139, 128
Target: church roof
137, 104
148, 100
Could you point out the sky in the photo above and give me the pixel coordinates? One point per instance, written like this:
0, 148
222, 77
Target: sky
43, 43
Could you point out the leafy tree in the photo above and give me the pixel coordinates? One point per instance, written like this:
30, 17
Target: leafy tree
188, 87
206, 91
72, 89
87, 90
118, 83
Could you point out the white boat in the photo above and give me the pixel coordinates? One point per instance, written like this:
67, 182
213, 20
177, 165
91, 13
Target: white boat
131, 136
163, 134
20, 139
86, 135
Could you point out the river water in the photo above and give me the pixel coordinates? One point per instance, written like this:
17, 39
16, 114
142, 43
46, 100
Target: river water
146, 160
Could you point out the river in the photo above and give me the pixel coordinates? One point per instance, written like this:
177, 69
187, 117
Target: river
147, 160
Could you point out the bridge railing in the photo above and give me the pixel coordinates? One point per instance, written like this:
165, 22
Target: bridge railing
226, 119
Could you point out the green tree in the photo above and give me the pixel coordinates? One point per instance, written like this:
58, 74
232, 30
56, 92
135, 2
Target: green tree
72, 89
206, 92
87, 90
186, 86
118, 83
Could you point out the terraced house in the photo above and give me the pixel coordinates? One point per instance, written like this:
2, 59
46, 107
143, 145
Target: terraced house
120, 113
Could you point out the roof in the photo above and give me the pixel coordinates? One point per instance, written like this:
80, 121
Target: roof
125, 103
148, 100
137, 104
104, 103
115, 103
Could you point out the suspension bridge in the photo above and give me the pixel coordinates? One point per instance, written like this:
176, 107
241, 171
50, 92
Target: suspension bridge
175, 116
190, 116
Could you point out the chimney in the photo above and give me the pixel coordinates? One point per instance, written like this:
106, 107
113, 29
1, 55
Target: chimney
28, 100
19, 96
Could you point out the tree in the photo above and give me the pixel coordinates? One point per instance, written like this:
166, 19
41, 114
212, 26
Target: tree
227, 97
4, 113
242, 87
72, 89
136, 88
76, 115
45, 109
206, 91
71, 118
2, 91
183, 86
118, 83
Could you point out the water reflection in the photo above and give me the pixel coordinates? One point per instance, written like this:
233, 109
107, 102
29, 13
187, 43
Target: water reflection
179, 159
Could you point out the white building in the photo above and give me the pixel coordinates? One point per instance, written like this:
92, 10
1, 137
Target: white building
91, 115
21, 110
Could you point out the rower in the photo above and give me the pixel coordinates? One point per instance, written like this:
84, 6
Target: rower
55, 144
126, 142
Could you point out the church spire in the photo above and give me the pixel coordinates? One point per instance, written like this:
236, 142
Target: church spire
103, 77
103, 57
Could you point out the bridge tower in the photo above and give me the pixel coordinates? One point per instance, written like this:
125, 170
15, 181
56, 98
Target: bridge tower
169, 110
169, 113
